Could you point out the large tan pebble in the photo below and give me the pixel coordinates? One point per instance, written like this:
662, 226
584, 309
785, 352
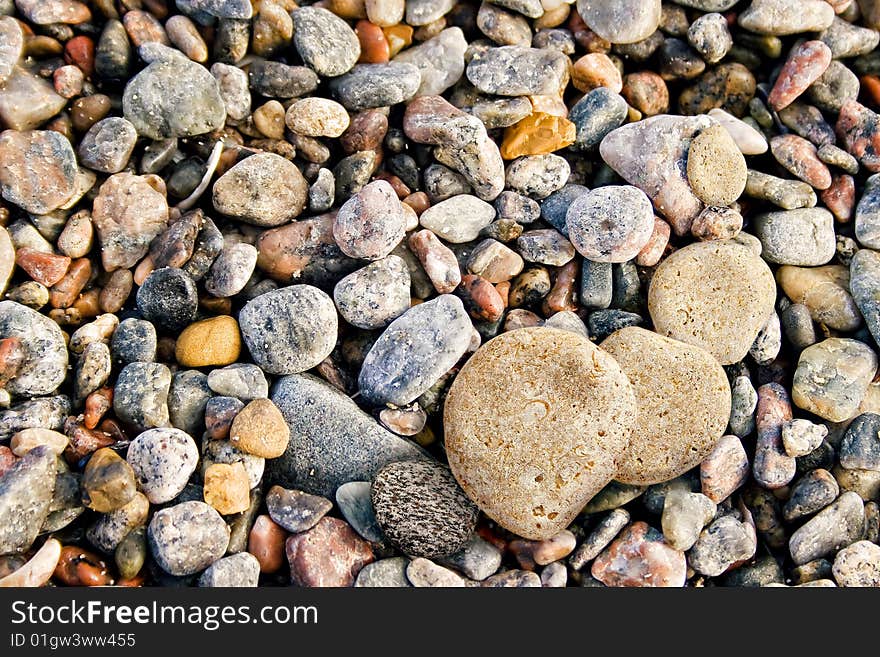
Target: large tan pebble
536, 424
683, 401
715, 295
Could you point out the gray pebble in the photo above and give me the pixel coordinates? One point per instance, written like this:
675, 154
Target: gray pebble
422, 509
798, 325
108, 145
173, 99
768, 342
425, 12
865, 287
371, 297
113, 52
602, 323
289, 330
848, 40
458, 219
613, 496
163, 461
387, 573
554, 575
441, 183
231, 270
423, 573
684, 516
45, 363
111, 528
834, 156
324, 41
596, 284
209, 243
168, 298
322, 191
294, 510
241, 570
263, 190
440, 60
654, 498
233, 84
595, 115
867, 217
860, 447
837, 85
710, 37
545, 246
218, 8
42, 413
25, 495
765, 570
518, 71
332, 441
537, 176
800, 437
723, 543
354, 501
516, 207
599, 538
476, 559
243, 381
836, 526
376, 85
568, 320
744, 401
187, 397
858, 565
92, 371
415, 351
803, 237
277, 80
513, 579
187, 537
809, 494
140, 396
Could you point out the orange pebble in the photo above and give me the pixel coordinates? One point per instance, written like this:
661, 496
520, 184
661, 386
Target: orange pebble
80, 51
537, 134
374, 45
398, 37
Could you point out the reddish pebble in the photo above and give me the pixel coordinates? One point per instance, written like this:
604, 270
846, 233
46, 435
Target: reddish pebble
772, 467
717, 223
7, 459
80, 567
12, 357
66, 291
219, 414
438, 261
652, 251
68, 81
539, 553
365, 132
870, 84
561, 296
374, 45
480, 298
640, 556
266, 543
596, 70
143, 27
840, 197
799, 156
857, 128
97, 405
806, 63
80, 51
725, 469
83, 441
647, 92
418, 201
45, 268
329, 554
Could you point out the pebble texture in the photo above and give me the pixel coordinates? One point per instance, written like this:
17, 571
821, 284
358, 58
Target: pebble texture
187, 537
563, 434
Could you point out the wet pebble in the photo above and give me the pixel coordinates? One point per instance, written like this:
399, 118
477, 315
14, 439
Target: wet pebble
328, 555
187, 537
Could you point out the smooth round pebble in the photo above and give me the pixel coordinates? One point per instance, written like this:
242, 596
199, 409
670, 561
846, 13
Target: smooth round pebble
610, 224
163, 461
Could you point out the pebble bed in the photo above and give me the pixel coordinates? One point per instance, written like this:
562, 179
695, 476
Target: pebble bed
432, 293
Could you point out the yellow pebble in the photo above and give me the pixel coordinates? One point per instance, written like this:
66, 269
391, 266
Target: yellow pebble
226, 487
537, 134
210, 342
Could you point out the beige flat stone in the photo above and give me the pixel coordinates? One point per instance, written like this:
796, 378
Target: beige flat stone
536, 424
683, 403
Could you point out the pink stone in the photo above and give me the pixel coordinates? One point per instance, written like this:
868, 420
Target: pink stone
800, 158
840, 197
857, 128
652, 251
773, 468
806, 63
640, 556
330, 554
725, 469
371, 223
438, 260
540, 553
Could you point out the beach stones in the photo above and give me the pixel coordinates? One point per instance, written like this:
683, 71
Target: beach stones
415, 350
640, 556
715, 295
39, 169
371, 223
44, 365
518, 71
683, 401
187, 537
610, 224
716, 169
330, 554
626, 21
264, 190
421, 508
162, 460
803, 237
25, 495
290, 329
564, 413
372, 297
325, 41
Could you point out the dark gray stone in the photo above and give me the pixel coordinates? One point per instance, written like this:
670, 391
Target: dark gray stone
860, 447
812, 492
187, 398
141, 395
595, 115
294, 510
376, 85
240, 570
134, 341
243, 381
371, 297
169, 299
353, 500
42, 413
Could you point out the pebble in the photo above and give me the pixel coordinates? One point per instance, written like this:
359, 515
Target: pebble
233, 86
414, 351
477, 559
440, 60
802, 237
25, 495
28, 439
683, 399
715, 295
263, 190
27, 101
331, 440
537, 176
610, 224
858, 565
725, 470
860, 447
385, 573
749, 140
40, 170
595, 70
266, 543
640, 556
154, 103
317, 117
356, 505
823, 290
209, 342
134, 340
376, 85
110, 529
423, 573
259, 429
684, 516
163, 460
371, 223
226, 487
240, 9
595, 115
294, 510
324, 41
856, 126
848, 40
187, 537
607, 529
812, 492
801, 437
12, 48
231, 270
44, 365
710, 37
800, 158
108, 145
518, 71
546, 246
723, 543
278, 80
537, 134
232, 485
784, 17
652, 154
108, 482
805, 64
530, 554
328, 555
290, 329
374, 296
546, 495
832, 378
240, 570
421, 508
168, 298
837, 525
867, 217
787, 194
716, 169
628, 21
